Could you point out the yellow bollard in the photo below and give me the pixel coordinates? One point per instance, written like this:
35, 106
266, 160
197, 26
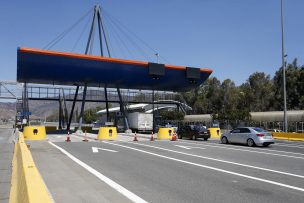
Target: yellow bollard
165, 133
34, 132
215, 132
107, 133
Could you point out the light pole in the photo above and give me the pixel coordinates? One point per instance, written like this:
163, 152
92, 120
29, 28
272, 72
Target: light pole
157, 57
283, 65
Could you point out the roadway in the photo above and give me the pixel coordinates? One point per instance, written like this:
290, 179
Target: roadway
167, 171
6, 156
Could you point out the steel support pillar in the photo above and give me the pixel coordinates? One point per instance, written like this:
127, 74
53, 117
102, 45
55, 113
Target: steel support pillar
72, 110
122, 109
107, 104
25, 106
82, 106
153, 113
64, 106
60, 116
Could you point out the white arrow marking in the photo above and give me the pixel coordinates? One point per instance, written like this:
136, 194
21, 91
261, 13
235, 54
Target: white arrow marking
186, 147
95, 149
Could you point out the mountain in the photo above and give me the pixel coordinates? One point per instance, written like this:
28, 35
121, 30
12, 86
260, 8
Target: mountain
41, 109
7, 110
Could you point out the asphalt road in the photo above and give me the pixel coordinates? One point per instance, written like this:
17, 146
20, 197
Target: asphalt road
6, 156
188, 171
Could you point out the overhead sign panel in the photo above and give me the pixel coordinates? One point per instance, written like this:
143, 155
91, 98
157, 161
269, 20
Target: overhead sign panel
62, 68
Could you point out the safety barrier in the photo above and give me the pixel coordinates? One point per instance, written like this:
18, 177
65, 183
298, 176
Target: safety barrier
26, 183
288, 136
214, 132
165, 133
34, 132
107, 133
50, 128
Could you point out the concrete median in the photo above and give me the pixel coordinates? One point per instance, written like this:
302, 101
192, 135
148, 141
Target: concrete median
288, 136
27, 184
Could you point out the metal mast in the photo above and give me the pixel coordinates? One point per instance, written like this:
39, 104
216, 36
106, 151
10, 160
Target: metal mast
284, 76
101, 31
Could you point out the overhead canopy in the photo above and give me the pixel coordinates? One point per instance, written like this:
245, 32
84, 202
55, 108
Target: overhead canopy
62, 68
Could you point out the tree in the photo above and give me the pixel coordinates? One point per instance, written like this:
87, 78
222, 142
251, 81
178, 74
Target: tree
205, 98
294, 87
172, 115
90, 115
259, 92
232, 105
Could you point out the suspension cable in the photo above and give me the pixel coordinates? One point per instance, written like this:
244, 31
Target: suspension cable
81, 34
119, 40
135, 35
64, 33
144, 54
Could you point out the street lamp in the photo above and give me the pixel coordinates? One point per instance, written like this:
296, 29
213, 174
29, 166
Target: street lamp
283, 65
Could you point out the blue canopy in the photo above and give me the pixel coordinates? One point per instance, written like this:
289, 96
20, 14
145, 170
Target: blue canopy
61, 68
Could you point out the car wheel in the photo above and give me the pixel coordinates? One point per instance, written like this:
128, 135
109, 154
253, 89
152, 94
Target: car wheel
250, 143
224, 140
205, 139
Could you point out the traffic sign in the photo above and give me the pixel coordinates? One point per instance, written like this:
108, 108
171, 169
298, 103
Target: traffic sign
24, 113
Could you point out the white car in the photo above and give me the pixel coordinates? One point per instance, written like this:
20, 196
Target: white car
251, 136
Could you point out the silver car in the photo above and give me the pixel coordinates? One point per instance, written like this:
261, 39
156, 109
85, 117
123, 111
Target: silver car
248, 135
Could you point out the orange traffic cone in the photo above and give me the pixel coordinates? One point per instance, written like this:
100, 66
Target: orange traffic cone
135, 137
85, 137
174, 137
152, 137
68, 139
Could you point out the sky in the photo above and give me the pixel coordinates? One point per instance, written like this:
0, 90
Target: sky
234, 38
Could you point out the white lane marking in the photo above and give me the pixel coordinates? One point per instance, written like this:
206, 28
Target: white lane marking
182, 146
130, 195
290, 145
95, 149
187, 147
212, 168
289, 142
258, 151
224, 161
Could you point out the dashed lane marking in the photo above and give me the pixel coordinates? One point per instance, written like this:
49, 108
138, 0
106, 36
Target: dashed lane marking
260, 151
212, 168
223, 161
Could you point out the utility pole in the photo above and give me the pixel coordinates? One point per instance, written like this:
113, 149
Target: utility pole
283, 66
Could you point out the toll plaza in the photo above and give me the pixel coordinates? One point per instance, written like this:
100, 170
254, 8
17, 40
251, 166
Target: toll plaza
35, 66
49, 67
77, 164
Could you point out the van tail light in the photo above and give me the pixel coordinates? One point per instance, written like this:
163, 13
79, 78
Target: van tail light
260, 135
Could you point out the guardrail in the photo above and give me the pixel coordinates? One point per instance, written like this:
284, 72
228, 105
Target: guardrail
27, 183
288, 136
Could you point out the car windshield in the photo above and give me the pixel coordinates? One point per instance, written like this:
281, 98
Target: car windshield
200, 128
259, 130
